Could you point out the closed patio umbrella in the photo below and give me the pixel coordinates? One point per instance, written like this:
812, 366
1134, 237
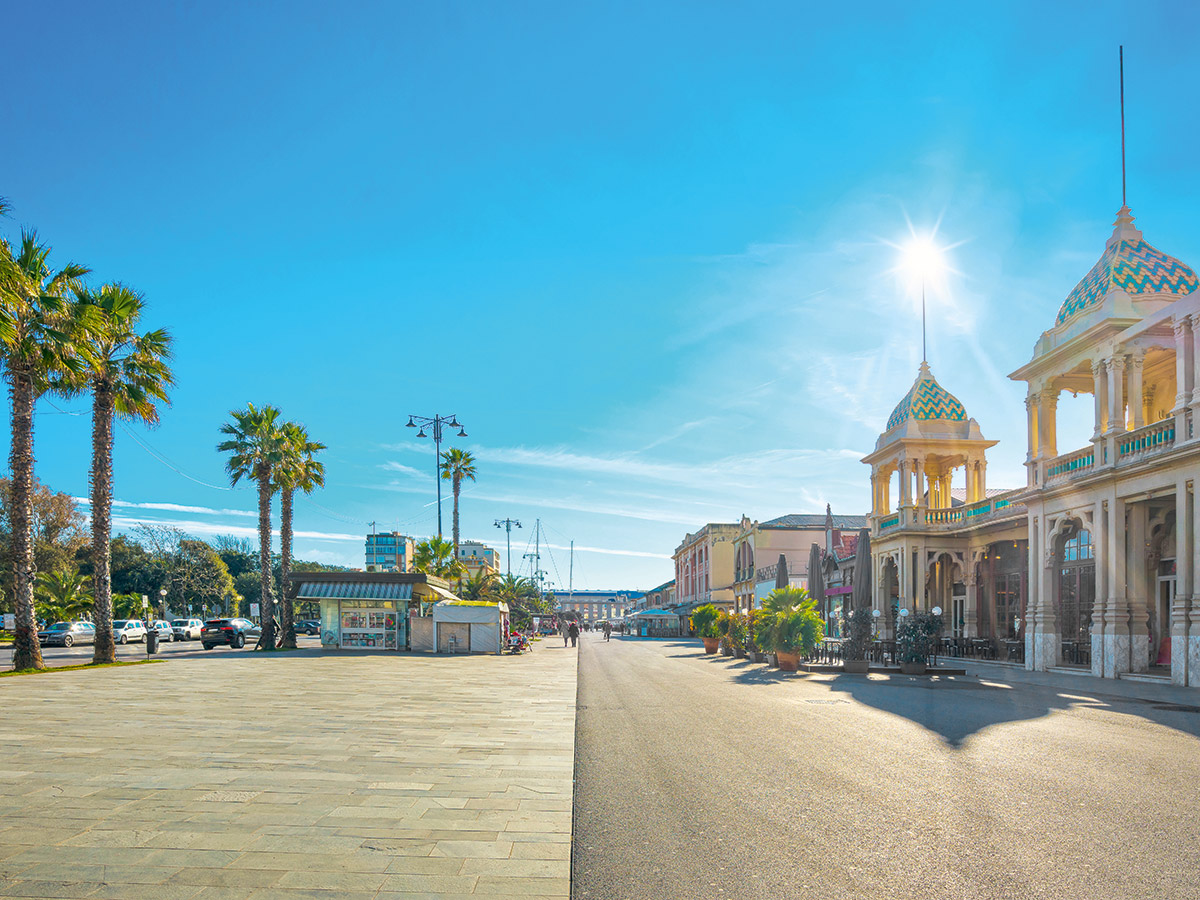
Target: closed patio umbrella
781, 572
816, 579
861, 597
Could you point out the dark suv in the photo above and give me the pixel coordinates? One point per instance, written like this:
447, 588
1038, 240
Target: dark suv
231, 632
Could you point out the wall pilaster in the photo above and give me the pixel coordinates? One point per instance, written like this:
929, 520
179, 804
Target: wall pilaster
1116, 626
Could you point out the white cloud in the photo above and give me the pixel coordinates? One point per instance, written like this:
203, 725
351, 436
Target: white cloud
175, 507
197, 529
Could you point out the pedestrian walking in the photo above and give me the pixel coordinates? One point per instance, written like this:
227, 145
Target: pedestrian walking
565, 629
607, 630
573, 631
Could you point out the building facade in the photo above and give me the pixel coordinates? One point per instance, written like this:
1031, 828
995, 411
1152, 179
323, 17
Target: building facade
598, 606
390, 551
1093, 564
478, 557
758, 545
704, 567
661, 597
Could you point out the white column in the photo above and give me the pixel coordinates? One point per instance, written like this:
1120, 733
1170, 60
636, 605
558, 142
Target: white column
1031, 415
1137, 400
1195, 321
1116, 626
1116, 394
1099, 545
1048, 417
1135, 587
1100, 395
1193, 663
1183, 395
920, 498
1184, 539
971, 607
905, 482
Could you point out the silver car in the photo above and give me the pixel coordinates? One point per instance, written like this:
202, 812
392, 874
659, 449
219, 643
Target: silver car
67, 634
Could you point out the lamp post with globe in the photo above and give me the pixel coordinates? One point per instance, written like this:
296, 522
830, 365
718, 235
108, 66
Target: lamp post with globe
435, 424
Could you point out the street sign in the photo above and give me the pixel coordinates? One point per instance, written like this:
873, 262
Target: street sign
10, 621
254, 609
145, 601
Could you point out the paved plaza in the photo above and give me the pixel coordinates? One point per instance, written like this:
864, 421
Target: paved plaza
296, 775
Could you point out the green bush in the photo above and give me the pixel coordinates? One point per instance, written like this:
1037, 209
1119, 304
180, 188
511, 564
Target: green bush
917, 636
856, 629
704, 621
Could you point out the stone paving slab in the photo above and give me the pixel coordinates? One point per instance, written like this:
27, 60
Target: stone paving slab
304, 775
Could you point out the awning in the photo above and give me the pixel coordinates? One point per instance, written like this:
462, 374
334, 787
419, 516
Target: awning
354, 590
442, 592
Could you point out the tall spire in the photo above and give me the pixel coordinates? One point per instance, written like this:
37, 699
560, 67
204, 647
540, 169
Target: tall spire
1121, 63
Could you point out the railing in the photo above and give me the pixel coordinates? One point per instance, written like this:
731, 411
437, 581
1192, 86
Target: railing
1071, 464
1147, 440
890, 522
943, 516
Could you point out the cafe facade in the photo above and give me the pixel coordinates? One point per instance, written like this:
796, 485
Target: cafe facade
370, 610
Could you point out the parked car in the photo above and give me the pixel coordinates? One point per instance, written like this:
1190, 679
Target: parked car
128, 630
66, 634
187, 629
231, 632
308, 626
164, 629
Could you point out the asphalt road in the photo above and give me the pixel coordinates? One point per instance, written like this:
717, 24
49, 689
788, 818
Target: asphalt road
82, 653
710, 777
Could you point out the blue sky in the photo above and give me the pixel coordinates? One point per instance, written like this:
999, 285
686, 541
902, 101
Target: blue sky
643, 251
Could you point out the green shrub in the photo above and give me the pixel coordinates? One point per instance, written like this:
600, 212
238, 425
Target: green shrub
917, 635
856, 629
704, 621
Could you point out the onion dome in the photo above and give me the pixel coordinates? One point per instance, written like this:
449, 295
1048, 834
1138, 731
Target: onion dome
1131, 265
927, 400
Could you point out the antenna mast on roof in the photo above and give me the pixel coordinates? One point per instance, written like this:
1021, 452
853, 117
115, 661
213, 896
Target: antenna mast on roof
1121, 59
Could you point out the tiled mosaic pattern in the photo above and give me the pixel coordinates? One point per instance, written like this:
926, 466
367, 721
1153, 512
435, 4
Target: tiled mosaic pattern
927, 400
1134, 267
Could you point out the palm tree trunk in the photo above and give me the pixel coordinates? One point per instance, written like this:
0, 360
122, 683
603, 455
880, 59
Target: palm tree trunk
287, 619
457, 483
267, 640
105, 650
27, 652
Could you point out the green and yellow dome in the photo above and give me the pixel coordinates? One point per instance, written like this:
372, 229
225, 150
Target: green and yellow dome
927, 400
1131, 265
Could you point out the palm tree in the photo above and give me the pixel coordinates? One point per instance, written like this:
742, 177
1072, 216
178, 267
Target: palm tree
523, 599
63, 595
785, 599
457, 466
36, 344
256, 446
128, 376
297, 471
435, 556
480, 586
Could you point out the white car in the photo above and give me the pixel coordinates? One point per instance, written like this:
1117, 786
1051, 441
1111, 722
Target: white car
187, 629
128, 630
164, 629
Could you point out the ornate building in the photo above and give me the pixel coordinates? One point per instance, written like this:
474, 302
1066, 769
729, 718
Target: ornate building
1113, 525
1093, 564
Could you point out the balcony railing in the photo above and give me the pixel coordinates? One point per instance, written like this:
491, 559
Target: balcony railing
1071, 464
889, 522
1146, 441
957, 516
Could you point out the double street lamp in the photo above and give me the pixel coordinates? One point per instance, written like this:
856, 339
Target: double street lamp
435, 424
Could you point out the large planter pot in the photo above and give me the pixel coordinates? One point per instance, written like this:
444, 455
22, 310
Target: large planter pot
758, 656
727, 651
856, 666
913, 668
740, 653
711, 644
788, 661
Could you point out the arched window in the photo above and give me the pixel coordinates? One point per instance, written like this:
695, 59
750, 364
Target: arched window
1077, 594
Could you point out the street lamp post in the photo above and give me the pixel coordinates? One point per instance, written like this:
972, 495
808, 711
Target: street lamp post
508, 525
435, 424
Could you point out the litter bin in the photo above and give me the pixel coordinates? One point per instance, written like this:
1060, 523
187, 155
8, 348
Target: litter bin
151, 642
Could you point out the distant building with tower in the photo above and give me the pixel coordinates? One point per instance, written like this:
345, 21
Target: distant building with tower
596, 606
478, 557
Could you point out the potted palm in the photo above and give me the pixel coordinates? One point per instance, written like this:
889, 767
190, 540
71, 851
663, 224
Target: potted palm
738, 633
704, 624
723, 641
790, 626
754, 649
915, 639
856, 628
